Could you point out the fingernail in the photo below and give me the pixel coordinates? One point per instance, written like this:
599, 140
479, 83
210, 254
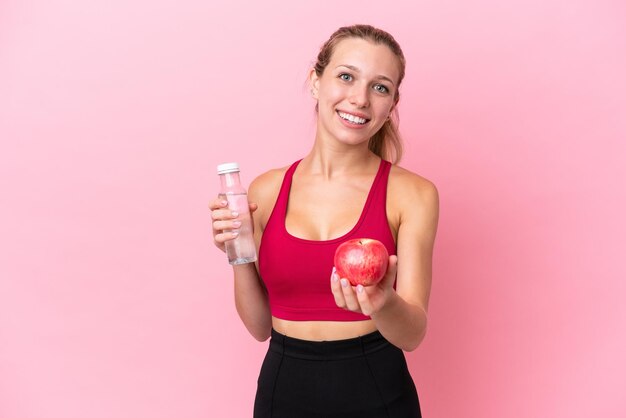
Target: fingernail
235, 233
236, 224
334, 277
223, 203
234, 214
344, 283
359, 288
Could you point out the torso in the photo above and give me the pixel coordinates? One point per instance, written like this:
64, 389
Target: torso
320, 210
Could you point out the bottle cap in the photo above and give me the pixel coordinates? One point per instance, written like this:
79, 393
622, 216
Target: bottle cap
227, 168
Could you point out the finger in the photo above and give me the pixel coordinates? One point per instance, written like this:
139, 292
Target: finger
348, 293
225, 236
218, 204
223, 214
224, 225
392, 269
364, 300
335, 287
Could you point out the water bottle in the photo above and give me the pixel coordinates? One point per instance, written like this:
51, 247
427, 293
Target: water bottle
242, 249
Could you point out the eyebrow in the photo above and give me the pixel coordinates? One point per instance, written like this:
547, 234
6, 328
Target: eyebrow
353, 68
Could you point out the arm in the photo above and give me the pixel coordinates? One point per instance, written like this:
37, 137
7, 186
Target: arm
403, 318
251, 299
401, 315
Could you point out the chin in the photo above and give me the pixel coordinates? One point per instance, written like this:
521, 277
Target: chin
352, 141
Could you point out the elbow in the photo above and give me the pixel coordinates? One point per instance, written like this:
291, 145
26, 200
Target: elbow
260, 333
411, 346
260, 337
413, 343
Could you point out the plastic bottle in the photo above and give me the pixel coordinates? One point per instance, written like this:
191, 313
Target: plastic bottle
242, 249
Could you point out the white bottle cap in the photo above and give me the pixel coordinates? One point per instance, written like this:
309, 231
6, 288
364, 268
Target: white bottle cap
227, 168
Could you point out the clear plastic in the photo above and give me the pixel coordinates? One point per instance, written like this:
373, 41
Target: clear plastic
242, 249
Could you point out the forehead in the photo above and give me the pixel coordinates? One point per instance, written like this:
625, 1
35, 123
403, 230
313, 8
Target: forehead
368, 57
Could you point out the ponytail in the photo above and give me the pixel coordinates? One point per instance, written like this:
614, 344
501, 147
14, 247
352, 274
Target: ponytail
386, 143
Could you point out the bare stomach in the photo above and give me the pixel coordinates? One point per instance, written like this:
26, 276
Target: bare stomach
323, 330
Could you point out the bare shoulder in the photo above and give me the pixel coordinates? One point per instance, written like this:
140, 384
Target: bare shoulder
267, 182
264, 191
412, 191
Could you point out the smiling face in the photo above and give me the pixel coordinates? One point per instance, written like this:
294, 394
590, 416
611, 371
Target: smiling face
356, 92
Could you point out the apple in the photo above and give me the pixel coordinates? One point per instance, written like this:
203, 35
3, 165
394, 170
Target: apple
361, 261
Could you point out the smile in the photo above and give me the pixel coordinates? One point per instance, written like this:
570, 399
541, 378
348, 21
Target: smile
351, 118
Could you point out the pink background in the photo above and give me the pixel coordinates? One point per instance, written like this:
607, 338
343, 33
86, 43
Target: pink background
114, 114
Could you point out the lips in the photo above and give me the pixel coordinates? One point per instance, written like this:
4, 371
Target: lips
352, 118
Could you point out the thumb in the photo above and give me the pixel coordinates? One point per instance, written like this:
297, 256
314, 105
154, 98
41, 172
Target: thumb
390, 275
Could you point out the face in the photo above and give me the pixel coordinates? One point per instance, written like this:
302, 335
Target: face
356, 92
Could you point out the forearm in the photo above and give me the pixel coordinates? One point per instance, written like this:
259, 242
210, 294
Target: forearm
252, 302
401, 323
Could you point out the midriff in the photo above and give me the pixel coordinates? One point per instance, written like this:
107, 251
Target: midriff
323, 330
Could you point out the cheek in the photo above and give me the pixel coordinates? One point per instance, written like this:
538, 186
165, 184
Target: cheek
384, 108
329, 95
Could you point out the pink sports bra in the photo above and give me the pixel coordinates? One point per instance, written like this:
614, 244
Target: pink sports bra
296, 271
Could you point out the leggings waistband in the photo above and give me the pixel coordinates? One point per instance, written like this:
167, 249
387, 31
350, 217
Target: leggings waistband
327, 350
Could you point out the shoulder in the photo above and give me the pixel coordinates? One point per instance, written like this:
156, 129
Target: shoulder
267, 182
264, 190
412, 190
412, 199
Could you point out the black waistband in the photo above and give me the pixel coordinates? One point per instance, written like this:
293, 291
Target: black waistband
327, 350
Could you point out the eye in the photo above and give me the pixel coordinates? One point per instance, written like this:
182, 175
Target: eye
381, 89
345, 77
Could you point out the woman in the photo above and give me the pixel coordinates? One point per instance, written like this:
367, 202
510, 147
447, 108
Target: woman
335, 349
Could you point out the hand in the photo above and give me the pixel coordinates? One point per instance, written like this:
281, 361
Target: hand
367, 300
225, 219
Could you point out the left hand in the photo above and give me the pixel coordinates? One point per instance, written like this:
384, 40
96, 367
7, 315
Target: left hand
367, 300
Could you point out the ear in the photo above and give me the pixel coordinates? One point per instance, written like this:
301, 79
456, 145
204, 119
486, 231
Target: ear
395, 101
393, 107
314, 82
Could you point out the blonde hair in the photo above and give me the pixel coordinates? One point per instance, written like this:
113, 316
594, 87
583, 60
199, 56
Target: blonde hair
386, 143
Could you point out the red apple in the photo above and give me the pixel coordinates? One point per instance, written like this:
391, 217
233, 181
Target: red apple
362, 261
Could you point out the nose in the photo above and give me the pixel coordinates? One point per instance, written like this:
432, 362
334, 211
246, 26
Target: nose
359, 96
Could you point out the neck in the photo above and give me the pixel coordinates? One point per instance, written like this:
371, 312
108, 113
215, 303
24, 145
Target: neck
339, 160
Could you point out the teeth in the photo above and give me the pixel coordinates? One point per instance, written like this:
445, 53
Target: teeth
352, 118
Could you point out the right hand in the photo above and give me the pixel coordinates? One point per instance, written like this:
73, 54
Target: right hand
225, 219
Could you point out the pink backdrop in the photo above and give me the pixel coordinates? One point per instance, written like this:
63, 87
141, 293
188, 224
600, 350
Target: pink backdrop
114, 114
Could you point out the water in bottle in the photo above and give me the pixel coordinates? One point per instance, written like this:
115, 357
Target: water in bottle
242, 249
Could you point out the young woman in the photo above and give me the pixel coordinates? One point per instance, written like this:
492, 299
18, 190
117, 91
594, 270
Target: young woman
335, 349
